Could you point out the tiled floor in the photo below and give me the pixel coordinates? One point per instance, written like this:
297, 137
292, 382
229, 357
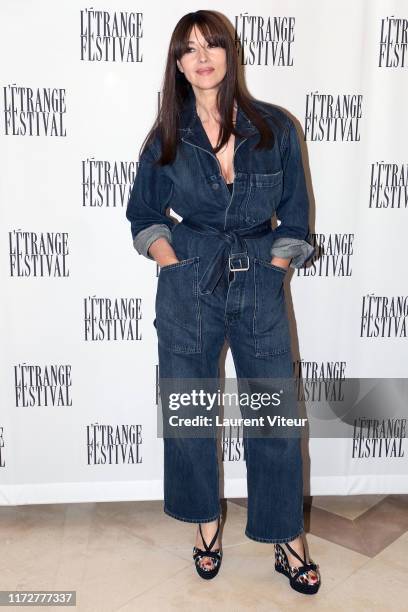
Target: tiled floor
131, 556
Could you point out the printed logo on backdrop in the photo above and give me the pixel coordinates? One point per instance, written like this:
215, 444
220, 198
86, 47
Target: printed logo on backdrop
38, 254
393, 43
111, 36
319, 381
114, 444
232, 443
384, 316
264, 40
388, 185
42, 385
2, 448
333, 258
334, 117
378, 438
37, 111
107, 184
112, 319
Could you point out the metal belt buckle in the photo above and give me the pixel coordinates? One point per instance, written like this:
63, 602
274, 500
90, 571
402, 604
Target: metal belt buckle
240, 257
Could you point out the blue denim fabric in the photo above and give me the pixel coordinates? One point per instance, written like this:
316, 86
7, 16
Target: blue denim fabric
248, 309
200, 303
266, 182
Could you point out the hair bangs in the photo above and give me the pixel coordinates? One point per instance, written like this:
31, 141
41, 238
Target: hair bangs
209, 28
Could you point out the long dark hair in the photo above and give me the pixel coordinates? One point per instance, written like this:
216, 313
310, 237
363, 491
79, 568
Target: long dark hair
217, 30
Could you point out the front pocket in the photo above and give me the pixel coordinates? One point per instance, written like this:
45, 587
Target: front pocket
181, 262
177, 306
264, 193
275, 267
270, 323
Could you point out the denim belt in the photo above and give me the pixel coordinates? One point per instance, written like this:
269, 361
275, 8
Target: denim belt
232, 249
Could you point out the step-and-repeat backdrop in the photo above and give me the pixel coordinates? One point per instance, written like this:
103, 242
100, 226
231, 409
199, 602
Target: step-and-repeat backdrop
80, 88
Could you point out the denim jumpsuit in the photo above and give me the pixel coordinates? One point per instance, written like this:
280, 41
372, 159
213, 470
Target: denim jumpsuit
224, 287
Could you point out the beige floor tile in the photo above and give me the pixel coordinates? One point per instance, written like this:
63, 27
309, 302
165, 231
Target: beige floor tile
130, 556
247, 581
118, 574
81, 549
377, 587
347, 506
335, 563
30, 544
396, 554
149, 523
239, 586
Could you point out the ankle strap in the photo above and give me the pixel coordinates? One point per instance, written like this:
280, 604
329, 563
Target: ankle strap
207, 548
295, 554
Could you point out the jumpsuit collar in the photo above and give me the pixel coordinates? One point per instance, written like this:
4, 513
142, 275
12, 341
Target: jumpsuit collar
191, 128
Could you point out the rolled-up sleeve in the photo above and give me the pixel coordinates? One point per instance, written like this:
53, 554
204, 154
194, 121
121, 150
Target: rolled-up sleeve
150, 196
292, 236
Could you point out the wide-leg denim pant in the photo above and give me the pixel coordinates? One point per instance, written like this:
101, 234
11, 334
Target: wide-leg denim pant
248, 309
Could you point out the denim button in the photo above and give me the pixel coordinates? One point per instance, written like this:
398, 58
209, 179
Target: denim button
215, 185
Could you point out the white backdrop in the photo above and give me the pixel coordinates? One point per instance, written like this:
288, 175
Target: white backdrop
68, 164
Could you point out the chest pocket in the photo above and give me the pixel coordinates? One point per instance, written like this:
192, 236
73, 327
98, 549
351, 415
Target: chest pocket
264, 193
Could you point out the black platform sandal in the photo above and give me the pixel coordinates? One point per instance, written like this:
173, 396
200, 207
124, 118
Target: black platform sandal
216, 556
296, 575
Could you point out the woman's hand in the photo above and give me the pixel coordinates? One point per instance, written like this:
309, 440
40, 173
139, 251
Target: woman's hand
162, 252
281, 262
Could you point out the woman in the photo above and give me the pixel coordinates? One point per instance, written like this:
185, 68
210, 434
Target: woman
225, 163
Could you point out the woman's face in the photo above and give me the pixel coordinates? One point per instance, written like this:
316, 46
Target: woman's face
204, 65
